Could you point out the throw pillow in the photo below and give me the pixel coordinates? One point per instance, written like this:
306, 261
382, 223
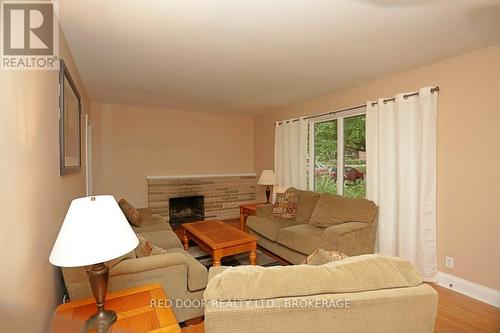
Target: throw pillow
157, 250
133, 216
285, 206
320, 257
144, 248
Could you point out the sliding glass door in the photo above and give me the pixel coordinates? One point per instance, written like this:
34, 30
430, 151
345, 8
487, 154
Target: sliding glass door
324, 152
354, 156
337, 154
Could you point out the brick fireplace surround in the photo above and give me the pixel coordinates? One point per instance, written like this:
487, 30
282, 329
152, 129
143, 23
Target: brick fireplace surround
223, 193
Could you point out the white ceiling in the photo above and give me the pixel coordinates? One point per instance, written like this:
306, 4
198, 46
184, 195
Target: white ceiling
246, 57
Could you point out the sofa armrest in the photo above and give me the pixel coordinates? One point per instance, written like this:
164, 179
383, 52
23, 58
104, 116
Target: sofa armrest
143, 264
165, 239
264, 210
351, 238
170, 270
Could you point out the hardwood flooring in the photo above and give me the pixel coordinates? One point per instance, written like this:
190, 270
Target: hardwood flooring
458, 313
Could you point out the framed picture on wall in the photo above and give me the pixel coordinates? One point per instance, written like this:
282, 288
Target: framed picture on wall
70, 158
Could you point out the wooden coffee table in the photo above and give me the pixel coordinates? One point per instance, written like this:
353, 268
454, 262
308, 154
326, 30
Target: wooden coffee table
219, 239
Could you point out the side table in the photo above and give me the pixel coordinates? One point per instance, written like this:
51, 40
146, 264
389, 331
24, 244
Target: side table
247, 210
139, 310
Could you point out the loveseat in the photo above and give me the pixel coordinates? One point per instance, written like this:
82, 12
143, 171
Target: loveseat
325, 221
181, 276
368, 293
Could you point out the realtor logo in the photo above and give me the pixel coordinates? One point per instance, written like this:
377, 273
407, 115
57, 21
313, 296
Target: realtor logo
30, 35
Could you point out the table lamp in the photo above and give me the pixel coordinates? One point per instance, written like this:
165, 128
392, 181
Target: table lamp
93, 232
268, 178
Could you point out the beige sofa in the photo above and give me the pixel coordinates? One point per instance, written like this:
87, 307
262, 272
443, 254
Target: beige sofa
181, 276
368, 293
323, 221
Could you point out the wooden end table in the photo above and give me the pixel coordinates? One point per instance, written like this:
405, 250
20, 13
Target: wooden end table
141, 309
247, 210
219, 240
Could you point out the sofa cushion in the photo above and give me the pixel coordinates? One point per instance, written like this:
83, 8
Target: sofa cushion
133, 216
303, 238
353, 274
165, 239
334, 209
268, 226
305, 204
285, 206
197, 273
154, 224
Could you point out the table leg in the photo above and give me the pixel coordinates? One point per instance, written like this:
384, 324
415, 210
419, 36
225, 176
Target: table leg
253, 257
216, 256
185, 240
242, 219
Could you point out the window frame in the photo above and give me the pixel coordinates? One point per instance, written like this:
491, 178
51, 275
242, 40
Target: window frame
340, 145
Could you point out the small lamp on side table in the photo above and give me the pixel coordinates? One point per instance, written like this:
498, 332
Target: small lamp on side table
267, 178
94, 231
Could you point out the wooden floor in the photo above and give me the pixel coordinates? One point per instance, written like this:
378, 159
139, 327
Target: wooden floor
457, 313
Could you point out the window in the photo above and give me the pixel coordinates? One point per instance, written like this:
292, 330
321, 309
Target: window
337, 147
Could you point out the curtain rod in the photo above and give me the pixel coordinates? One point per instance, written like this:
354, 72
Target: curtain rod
325, 113
433, 90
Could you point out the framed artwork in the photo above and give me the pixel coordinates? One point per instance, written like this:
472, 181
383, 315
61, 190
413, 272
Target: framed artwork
70, 106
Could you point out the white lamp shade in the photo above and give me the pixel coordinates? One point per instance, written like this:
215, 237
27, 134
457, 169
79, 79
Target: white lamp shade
267, 177
94, 231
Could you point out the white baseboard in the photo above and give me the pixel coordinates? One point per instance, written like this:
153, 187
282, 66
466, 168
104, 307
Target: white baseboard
469, 288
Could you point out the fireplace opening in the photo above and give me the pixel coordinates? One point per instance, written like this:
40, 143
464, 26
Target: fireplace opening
186, 209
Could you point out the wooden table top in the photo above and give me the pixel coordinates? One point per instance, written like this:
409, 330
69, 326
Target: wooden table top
135, 309
218, 234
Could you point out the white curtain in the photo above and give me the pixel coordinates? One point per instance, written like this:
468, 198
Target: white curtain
401, 177
290, 153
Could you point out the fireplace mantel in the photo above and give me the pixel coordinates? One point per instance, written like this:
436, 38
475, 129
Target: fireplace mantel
202, 176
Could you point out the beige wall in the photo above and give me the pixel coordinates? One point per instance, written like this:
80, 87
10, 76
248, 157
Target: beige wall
34, 197
468, 161
131, 142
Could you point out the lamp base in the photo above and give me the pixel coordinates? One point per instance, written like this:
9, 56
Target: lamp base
268, 194
101, 321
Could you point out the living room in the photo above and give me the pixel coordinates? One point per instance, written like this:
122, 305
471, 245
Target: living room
374, 119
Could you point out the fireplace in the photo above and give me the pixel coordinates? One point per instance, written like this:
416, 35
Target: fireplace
186, 209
